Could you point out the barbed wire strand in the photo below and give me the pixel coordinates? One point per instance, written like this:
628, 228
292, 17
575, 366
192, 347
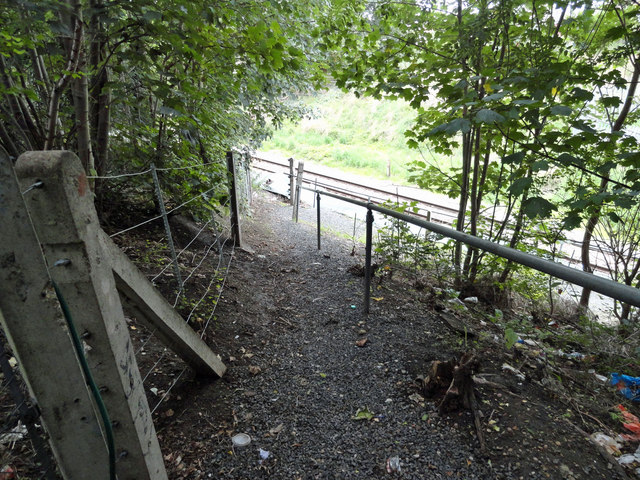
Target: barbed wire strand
182, 251
152, 334
173, 384
213, 278
190, 243
143, 172
224, 280
160, 216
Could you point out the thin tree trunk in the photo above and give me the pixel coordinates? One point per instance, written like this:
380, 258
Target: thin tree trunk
473, 220
63, 82
595, 218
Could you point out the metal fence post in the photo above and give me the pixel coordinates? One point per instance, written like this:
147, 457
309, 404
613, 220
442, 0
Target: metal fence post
235, 210
167, 228
296, 206
367, 262
318, 206
291, 191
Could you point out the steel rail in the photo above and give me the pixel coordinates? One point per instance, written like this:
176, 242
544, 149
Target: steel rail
448, 211
606, 287
429, 206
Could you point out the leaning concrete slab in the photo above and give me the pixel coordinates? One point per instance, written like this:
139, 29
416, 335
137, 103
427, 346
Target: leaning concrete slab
151, 307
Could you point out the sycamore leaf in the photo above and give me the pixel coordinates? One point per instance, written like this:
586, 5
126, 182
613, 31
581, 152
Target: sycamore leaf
614, 217
571, 221
485, 115
537, 207
561, 110
540, 165
514, 158
584, 126
451, 128
495, 96
520, 185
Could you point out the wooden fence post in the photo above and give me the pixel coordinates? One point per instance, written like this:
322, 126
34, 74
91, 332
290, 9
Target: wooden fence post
36, 330
235, 209
67, 226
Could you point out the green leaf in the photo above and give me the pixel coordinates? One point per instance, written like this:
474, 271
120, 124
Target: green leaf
571, 221
614, 217
488, 116
581, 94
363, 414
561, 110
610, 101
495, 96
520, 185
451, 128
524, 101
514, 158
537, 207
510, 338
583, 126
540, 165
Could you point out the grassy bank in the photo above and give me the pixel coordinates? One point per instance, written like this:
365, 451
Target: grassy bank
354, 134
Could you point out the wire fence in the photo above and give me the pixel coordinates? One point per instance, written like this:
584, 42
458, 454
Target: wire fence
204, 260
195, 289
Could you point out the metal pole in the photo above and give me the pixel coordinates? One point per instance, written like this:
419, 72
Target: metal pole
318, 207
167, 229
367, 262
610, 288
291, 192
233, 192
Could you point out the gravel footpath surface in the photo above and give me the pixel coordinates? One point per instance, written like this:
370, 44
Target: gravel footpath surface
325, 392
297, 378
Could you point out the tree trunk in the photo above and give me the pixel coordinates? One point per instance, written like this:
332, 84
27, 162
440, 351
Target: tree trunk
467, 141
74, 49
473, 220
595, 218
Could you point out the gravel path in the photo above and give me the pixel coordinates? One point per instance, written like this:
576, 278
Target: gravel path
297, 379
304, 363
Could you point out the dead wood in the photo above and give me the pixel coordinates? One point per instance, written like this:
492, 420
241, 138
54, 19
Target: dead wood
186, 230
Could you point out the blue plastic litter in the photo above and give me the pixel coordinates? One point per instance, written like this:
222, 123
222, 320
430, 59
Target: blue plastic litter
627, 385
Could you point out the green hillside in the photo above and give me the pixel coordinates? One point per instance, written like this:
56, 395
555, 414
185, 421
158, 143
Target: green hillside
358, 134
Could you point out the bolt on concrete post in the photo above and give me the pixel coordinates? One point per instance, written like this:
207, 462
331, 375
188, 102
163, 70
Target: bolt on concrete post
167, 228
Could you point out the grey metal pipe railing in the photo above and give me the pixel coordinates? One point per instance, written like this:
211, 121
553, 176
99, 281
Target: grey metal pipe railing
605, 286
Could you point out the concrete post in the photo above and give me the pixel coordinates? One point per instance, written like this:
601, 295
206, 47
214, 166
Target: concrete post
67, 226
235, 208
296, 205
37, 332
291, 182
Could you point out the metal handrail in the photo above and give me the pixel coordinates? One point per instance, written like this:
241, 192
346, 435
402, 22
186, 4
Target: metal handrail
605, 286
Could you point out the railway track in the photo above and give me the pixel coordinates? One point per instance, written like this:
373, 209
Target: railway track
426, 210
